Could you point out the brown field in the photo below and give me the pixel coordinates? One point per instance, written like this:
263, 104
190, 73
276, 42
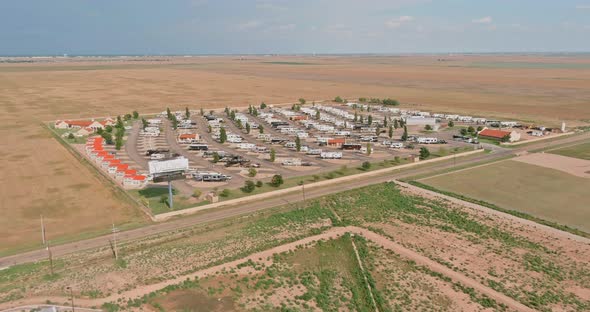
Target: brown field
41, 177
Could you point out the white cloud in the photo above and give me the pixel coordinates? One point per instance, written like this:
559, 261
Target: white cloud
287, 27
399, 21
249, 25
483, 20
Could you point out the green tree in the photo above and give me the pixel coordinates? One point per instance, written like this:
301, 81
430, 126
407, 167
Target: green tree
389, 101
301, 101
118, 143
370, 120
395, 124
390, 134
254, 111
252, 172
424, 153
144, 123
362, 99
108, 138
226, 110
248, 127
428, 127
479, 128
451, 123
239, 124
232, 115
174, 122
298, 144
187, 113
71, 136
378, 131
248, 187
338, 99
470, 129
361, 119
463, 131
215, 157
202, 112
135, 115
108, 128
262, 105
356, 116
259, 184
385, 122
366, 165
260, 129
209, 128
317, 114
168, 113
505, 138
222, 135
277, 180
405, 134
273, 155
369, 149
127, 117
119, 123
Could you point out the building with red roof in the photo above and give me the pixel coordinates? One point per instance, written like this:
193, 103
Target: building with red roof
511, 136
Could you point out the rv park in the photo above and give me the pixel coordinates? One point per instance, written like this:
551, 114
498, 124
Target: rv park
216, 155
481, 201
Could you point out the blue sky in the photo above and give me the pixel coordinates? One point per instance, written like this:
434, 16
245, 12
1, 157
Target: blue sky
44, 27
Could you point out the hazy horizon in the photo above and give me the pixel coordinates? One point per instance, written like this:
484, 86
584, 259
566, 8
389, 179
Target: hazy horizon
260, 27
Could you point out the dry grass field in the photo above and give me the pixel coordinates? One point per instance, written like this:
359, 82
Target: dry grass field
39, 175
543, 192
581, 151
419, 253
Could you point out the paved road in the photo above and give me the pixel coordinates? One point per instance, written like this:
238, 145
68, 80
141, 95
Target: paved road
215, 215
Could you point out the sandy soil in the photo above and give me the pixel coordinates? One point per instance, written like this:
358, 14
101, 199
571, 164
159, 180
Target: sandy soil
573, 166
332, 233
52, 183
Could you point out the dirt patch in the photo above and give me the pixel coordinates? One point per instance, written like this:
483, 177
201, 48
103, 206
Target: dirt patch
573, 166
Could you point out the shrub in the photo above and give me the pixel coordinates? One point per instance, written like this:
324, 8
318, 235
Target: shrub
248, 187
258, 183
197, 193
424, 153
252, 172
277, 180
225, 193
366, 165
338, 99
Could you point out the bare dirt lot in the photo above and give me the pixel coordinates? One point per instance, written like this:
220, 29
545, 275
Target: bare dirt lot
573, 166
40, 177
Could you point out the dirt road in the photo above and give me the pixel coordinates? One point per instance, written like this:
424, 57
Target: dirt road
329, 234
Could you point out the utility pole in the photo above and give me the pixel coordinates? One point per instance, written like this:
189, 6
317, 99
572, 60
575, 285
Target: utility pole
43, 230
71, 297
115, 230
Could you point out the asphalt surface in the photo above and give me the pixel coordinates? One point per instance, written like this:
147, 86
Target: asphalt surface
215, 215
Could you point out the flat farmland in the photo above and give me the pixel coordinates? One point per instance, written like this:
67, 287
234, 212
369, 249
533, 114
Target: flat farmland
41, 177
543, 192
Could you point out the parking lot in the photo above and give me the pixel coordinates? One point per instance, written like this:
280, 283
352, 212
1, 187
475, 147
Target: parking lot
326, 136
